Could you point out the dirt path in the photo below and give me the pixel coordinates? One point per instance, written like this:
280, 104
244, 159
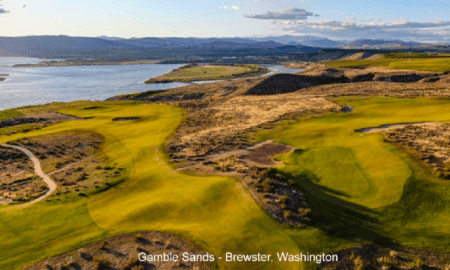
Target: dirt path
37, 168
259, 155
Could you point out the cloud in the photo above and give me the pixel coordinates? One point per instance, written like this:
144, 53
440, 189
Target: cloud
3, 11
233, 7
288, 14
402, 29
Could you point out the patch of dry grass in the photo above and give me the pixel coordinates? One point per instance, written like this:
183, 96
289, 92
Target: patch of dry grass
75, 162
122, 252
430, 142
18, 181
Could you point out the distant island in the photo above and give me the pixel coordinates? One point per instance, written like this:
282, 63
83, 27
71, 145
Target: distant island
3, 75
194, 72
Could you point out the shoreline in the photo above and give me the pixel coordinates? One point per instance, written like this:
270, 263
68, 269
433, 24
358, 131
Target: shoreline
70, 63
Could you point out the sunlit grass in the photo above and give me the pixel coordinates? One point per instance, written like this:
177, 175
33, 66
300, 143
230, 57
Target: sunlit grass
441, 64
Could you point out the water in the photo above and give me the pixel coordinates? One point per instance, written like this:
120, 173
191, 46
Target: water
41, 85
273, 69
10, 61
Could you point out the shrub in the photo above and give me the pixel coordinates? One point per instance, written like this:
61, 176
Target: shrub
132, 264
393, 254
359, 263
104, 246
284, 199
304, 211
287, 214
268, 185
419, 263
101, 263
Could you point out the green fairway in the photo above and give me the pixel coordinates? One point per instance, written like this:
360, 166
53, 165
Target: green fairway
362, 188
441, 64
214, 210
360, 168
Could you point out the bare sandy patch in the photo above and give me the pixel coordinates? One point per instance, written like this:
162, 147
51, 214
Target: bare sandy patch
390, 127
18, 181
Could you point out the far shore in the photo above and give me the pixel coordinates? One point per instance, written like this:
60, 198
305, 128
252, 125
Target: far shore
68, 63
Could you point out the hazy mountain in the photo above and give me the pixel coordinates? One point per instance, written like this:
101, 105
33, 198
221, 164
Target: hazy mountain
35, 45
311, 41
110, 38
380, 44
66, 47
152, 42
234, 45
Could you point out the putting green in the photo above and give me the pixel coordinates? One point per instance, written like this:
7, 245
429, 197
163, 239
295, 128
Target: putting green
335, 167
356, 167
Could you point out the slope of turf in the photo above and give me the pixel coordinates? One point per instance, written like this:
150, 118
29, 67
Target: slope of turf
6, 114
336, 168
421, 64
361, 188
215, 210
371, 174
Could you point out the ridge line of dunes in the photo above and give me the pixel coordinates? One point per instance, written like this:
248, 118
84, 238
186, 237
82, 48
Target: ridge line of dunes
287, 83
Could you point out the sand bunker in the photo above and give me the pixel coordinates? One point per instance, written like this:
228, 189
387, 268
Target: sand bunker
118, 119
389, 127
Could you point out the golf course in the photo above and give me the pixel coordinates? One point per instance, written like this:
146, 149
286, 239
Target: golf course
360, 188
215, 211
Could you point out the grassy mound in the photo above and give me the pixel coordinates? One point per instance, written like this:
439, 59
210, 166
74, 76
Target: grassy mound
7, 114
191, 73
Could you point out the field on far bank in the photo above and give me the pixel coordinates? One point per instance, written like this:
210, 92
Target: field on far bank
433, 63
191, 73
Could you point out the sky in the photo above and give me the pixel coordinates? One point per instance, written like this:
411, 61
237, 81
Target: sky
409, 20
